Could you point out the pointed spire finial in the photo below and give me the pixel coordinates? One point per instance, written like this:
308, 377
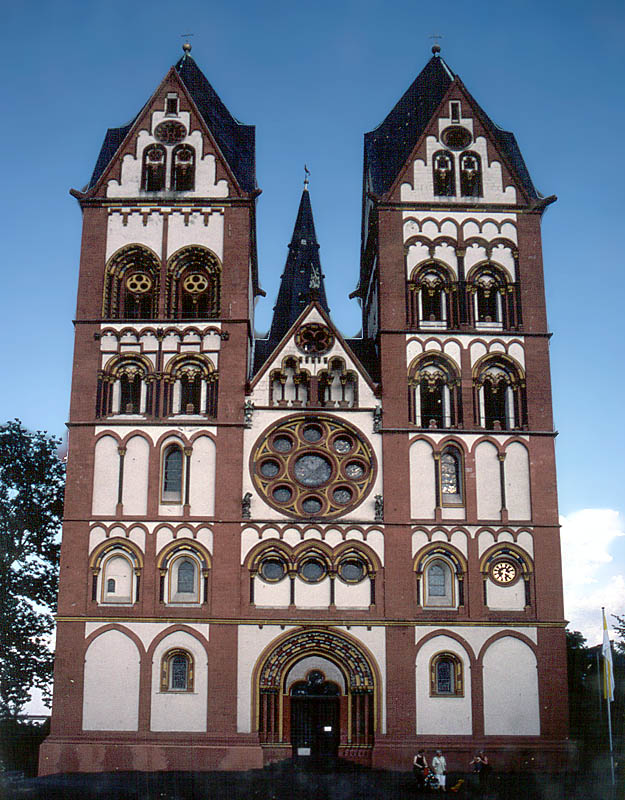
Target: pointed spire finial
186, 47
436, 47
306, 174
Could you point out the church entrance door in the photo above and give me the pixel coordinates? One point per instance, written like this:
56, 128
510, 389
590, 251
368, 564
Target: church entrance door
315, 718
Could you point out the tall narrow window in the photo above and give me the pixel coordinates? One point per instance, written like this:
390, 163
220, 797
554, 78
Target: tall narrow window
153, 176
434, 394
130, 392
451, 490
500, 395
172, 475
443, 174
183, 169
488, 299
470, 175
193, 284
190, 392
138, 295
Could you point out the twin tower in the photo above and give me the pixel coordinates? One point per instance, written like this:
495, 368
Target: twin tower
308, 545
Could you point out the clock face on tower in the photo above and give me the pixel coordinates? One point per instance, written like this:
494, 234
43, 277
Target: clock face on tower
504, 572
313, 466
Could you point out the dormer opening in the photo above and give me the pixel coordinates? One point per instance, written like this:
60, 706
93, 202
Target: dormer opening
171, 105
455, 111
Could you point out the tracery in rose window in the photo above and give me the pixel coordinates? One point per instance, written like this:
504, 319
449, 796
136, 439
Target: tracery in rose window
314, 338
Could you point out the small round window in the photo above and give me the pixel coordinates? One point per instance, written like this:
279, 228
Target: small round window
312, 570
352, 570
272, 569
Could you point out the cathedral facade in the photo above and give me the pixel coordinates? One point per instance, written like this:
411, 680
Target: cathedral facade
304, 545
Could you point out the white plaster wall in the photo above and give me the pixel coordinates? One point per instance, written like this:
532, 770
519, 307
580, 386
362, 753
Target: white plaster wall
105, 476
139, 228
96, 535
204, 228
505, 598
422, 486
473, 636
352, 595
136, 463
488, 482
111, 684
148, 631
272, 595
180, 711
155, 432
517, 473
252, 640
312, 595
202, 486
510, 689
444, 716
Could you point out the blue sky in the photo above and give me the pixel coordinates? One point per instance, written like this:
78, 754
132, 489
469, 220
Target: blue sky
313, 78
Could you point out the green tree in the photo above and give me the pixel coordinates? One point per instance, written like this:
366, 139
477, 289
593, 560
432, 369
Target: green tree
619, 627
32, 478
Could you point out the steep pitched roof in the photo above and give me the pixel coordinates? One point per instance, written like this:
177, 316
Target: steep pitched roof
388, 147
235, 140
302, 279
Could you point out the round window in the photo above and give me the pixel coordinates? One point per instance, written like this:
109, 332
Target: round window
272, 569
312, 570
456, 138
352, 570
139, 283
311, 465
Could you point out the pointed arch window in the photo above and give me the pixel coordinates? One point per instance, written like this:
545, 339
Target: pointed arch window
194, 284
153, 171
470, 175
444, 176
500, 395
434, 394
183, 168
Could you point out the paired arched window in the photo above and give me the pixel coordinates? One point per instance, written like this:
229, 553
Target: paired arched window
131, 284
338, 386
434, 393
153, 170
183, 168
194, 284
444, 176
470, 175
190, 387
429, 297
500, 394
440, 578
446, 676
177, 673
184, 570
125, 387
289, 385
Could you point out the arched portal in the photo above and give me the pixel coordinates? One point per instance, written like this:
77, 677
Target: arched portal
316, 691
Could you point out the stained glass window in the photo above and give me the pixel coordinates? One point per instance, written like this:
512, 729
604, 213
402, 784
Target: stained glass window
436, 580
444, 677
186, 577
172, 475
449, 474
178, 673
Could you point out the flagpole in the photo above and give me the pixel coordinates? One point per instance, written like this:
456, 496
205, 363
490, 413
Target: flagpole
608, 685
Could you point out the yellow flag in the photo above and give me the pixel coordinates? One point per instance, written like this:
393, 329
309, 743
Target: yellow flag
608, 669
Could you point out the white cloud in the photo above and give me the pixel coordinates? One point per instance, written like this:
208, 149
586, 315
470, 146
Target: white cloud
592, 578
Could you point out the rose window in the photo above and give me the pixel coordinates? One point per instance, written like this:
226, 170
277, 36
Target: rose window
314, 338
313, 467
195, 283
170, 132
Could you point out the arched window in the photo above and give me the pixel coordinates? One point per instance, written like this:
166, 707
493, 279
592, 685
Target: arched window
431, 303
191, 386
439, 583
177, 671
289, 385
338, 387
131, 284
494, 298
446, 676
186, 577
470, 175
434, 393
451, 489
500, 395
153, 173
184, 583
183, 169
117, 583
125, 387
194, 284
440, 578
444, 174
171, 491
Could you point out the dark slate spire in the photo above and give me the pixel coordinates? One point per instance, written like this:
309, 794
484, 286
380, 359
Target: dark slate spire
302, 279
388, 147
